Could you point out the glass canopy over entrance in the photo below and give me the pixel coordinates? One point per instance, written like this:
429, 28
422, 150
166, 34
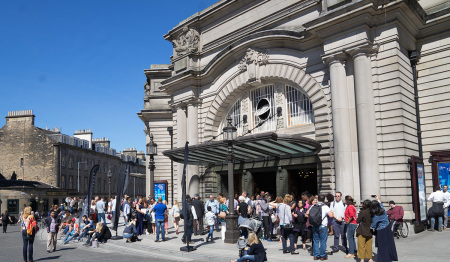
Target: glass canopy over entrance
258, 147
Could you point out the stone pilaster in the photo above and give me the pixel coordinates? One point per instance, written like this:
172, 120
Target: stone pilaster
341, 125
192, 137
181, 140
366, 125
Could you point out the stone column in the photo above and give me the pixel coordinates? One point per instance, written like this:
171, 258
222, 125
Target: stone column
341, 127
282, 182
181, 141
367, 133
247, 182
192, 137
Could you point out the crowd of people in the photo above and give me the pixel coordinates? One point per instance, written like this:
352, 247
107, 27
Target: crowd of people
303, 223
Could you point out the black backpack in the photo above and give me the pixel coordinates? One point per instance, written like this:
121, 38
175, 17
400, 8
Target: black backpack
315, 215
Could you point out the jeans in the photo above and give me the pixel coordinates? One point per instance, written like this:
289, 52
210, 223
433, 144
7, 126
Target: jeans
445, 217
84, 233
246, 257
340, 230
127, 235
265, 220
433, 220
320, 236
100, 216
27, 246
160, 228
66, 229
211, 230
351, 228
69, 237
125, 220
287, 234
5, 225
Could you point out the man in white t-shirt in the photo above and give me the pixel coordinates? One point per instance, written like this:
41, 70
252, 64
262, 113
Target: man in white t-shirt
320, 233
339, 226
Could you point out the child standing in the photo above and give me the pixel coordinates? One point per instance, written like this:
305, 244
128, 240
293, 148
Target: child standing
210, 219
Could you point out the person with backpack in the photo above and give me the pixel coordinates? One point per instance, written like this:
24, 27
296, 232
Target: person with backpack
29, 229
318, 216
339, 226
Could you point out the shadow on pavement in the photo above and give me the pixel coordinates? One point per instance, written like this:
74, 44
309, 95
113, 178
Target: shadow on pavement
48, 258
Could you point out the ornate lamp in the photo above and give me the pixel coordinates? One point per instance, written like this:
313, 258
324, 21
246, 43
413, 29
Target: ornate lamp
152, 150
230, 131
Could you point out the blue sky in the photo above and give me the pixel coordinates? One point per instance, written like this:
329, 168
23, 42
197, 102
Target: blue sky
79, 64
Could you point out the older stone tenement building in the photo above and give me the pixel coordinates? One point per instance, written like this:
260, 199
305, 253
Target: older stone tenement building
338, 72
57, 165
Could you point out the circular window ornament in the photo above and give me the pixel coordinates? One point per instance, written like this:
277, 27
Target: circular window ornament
263, 109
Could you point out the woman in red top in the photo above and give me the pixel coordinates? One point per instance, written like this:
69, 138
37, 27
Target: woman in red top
350, 220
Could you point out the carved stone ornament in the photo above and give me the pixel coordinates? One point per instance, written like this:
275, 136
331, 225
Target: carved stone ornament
253, 57
187, 42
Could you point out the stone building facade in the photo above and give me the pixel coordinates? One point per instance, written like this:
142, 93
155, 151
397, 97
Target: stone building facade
338, 72
62, 163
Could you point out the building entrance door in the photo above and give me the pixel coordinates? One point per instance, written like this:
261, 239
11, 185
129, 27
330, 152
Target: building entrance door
237, 184
303, 179
265, 181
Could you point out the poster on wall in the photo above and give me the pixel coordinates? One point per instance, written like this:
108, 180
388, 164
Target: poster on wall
160, 190
422, 194
444, 174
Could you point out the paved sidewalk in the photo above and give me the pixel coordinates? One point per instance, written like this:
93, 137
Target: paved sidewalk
410, 249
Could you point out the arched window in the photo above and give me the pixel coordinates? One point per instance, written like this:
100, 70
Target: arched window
263, 105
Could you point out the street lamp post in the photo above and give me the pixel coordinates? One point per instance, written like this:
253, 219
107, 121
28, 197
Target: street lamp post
229, 137
109, 183
170, 129
152, 151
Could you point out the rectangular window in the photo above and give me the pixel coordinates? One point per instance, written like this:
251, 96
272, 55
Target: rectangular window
21, 163
86, 185
63, 161
70, 182
93, 163
13, 206
85, 164
299, 107
63, 181
259, 96
70, 162
104, 168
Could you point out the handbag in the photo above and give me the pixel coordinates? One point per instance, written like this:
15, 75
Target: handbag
222, 214
274, 218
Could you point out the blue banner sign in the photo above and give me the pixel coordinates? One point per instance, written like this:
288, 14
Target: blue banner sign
160, 191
